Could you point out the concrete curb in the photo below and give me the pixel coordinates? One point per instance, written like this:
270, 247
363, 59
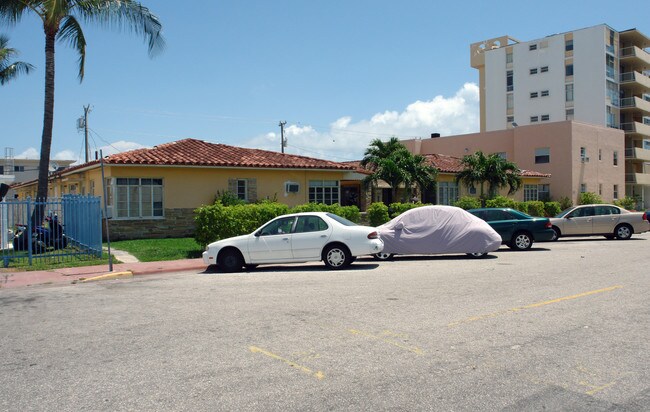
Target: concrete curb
114, 275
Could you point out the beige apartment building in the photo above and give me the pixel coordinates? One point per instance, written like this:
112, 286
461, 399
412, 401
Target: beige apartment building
579, 157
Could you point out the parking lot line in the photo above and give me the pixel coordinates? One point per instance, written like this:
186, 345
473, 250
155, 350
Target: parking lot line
413, 349
318, 374
532, 305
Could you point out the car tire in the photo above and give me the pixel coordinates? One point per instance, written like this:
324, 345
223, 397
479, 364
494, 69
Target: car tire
250, 266
521, 241
337, 256
556, 234
623, 232
383, 256
478, 255
230, 260
609, 237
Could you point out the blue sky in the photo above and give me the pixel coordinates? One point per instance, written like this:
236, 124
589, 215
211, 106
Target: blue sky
339, 72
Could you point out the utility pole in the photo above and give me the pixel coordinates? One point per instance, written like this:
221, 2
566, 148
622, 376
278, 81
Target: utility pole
283, 142
82, 123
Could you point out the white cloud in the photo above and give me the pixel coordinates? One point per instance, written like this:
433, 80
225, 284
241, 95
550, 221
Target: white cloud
347, 140
30, 153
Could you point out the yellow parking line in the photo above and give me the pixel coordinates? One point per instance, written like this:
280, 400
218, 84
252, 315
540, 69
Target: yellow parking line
533, 305
318, 374
600, 388
413, 349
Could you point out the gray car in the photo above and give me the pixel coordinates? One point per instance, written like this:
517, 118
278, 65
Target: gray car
601, 219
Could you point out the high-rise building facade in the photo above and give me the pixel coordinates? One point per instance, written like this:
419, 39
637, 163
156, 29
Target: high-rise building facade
595, 75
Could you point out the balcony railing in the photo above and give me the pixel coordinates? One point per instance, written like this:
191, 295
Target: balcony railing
638, 178
637, 153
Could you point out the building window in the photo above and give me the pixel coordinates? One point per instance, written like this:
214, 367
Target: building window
583, 188
510, 119
242, 189
543, 155
534, 119
19, 168
569, 114
509, 81
600, 189
568, 45
502, 155
532, 47
568, 70
543, 69
615, 191
600, 154
544, 192
509, 57
138, 197
583, 154
530, 193
2, 170
533, 71
546, 117
544, 93
533, 95
447, 193
510, 101
324, 191
615, 158
568, 92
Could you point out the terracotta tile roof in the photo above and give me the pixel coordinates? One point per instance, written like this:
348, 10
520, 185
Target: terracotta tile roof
357, 166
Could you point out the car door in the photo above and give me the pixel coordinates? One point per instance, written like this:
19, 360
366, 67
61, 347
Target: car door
605, 219
309, 237
579, 221
272, 243
502, 222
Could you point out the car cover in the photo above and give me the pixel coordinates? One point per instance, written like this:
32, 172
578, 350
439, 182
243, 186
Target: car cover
438, 229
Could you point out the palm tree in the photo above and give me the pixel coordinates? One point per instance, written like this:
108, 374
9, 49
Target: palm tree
61, 21
420, 174
9, 70
494, 170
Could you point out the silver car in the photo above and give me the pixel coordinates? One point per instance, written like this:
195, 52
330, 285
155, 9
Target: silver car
600, 219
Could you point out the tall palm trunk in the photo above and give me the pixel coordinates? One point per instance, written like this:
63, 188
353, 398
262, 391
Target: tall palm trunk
48, 116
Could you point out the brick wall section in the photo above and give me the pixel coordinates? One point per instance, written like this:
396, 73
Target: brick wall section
176, 223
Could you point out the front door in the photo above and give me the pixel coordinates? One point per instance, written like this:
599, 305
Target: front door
273, 242
579, 222
309, 238
605, 219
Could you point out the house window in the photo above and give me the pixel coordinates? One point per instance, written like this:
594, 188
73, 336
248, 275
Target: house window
600, 189
544, 93
324, 191
533, 95
530, 193
447, 193
534, 119
615, 191
19, 168
568, 70
544, 192
242, 189
546, 117
543, 69
2, 170
138, 197
615, 158
502, 155
568, 92
569, 114
509, 81
568, 45
583, 188
92, 188
532, 47
533, 71
543, 155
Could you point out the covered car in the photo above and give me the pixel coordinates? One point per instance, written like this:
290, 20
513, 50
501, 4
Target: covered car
437, 230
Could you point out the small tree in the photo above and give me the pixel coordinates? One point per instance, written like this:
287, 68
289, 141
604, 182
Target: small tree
588, 198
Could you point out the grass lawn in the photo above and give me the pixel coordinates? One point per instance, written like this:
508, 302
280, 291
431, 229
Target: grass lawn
44, 262
153, 250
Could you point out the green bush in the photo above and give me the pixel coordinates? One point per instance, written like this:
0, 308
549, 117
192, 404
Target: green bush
552, 208
501, 201
536, 208
351, 213
396, 209
521, 206
468, 202
377, 214
565, 203
588, 198
228, 199
627, 202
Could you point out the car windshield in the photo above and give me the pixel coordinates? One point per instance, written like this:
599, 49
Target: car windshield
341, 220
564, 212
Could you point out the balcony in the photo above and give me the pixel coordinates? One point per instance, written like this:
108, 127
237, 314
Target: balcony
635, 56
636, 128
635, 83
634, 103
638, 178
637, 154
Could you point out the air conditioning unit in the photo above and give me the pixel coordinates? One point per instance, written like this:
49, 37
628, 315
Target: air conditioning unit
109, 212
291, 187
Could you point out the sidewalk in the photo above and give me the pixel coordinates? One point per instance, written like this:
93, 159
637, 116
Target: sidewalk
100, 272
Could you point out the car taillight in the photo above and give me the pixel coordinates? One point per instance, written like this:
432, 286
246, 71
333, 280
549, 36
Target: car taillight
548, 225
373, 235
645, 215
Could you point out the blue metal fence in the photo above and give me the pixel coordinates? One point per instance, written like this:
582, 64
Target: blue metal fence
54, 231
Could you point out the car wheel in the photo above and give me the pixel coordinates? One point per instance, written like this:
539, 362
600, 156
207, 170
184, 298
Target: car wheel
383, 256
478, 254
609, 237
521, 241
250, 266
556, 234
337, 257
623, 232
230, 260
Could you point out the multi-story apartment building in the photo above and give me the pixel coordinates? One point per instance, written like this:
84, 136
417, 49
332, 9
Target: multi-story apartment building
595, 75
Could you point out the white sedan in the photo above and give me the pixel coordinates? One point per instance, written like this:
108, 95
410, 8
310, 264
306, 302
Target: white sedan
296, 238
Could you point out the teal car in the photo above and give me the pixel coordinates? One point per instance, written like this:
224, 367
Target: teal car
517, 229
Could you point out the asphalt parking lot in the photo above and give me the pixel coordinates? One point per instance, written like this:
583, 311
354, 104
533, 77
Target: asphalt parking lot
563, 326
